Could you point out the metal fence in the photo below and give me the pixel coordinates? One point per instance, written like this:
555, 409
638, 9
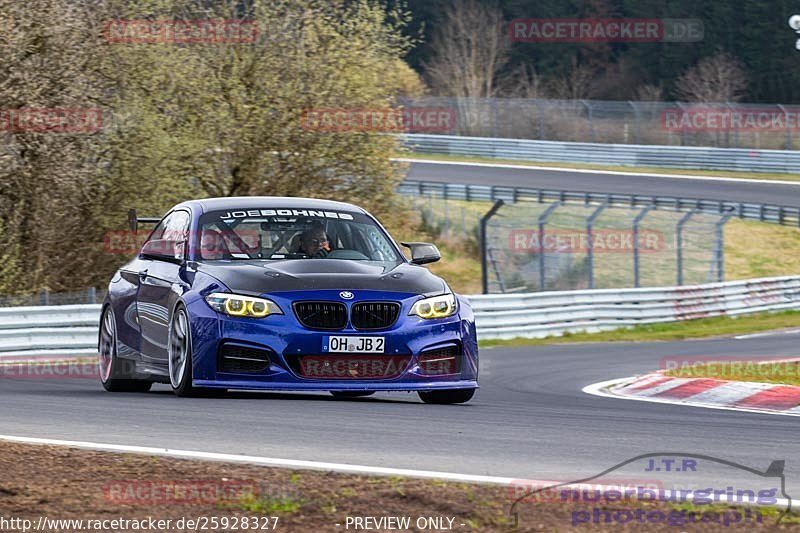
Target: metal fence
532, 246
69, 331
537, 240
785, 215
730, 124
635, 155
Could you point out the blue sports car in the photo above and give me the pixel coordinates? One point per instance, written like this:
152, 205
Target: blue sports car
268, 293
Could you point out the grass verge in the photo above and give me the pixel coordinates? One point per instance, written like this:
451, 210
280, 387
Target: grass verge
613, 168
688, 329
67, 483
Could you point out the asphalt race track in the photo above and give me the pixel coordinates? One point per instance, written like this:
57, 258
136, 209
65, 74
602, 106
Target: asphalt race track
738, 191
530, 419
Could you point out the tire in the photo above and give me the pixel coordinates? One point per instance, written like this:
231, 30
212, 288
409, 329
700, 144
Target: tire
179, 354
115, 372
351, 394
447, 396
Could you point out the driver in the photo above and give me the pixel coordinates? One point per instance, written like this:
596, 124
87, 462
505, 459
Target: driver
314, 242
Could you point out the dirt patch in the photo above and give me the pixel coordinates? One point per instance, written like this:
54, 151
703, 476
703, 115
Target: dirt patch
66, 483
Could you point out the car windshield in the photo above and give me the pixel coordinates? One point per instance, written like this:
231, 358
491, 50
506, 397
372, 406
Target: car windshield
280, 234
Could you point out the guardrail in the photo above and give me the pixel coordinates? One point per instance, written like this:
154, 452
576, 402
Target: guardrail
788, 216
71, 330
638, 155
544, 314
49, 331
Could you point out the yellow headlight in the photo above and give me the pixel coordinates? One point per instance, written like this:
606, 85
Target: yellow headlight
239, 305
436, 307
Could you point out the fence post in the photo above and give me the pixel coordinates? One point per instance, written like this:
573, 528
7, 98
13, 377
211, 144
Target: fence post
541, 119
493, 104
590, 249
590, 115
541, 223
638, 119
733, 122
788, 127
483, 223
636, 221
683, 128
719, 246
679, 242
92, 295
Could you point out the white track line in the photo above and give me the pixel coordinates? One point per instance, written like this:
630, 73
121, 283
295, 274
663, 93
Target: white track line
265, 461
327, 467
596, 171
601, 389
767, 334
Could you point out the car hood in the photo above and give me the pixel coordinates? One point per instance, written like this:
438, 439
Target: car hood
259, 277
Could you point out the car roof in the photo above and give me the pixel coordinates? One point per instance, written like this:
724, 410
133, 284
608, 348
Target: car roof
261, 202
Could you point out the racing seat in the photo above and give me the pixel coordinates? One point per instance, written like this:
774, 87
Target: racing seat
295, 244
213, 245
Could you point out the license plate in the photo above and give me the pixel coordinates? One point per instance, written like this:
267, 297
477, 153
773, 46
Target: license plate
348, 344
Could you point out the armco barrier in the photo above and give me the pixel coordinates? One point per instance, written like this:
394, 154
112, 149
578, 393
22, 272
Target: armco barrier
71, 330
49, 331
544, 314
637, 155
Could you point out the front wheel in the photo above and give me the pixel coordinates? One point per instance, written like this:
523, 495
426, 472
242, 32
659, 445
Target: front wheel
447, 396
115, 372
180, 354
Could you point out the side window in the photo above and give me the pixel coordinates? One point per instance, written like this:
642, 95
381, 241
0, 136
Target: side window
379, 244
174, 227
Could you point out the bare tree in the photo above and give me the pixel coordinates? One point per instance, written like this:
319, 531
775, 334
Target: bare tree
469, 49
523, 82
576, 83
648, 93
718, 78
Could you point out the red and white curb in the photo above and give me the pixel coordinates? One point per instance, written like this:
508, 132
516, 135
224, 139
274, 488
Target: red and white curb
703, 392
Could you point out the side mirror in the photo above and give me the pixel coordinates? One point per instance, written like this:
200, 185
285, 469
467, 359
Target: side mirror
164, 250
423, 252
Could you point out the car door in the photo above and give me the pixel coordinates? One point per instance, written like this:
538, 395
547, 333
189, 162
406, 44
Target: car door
159, 278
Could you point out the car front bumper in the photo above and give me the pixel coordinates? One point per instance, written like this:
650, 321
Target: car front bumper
285, 339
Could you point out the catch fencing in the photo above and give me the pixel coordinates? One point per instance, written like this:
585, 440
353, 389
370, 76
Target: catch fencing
722, 125
632, 155
545, 240
71, 330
